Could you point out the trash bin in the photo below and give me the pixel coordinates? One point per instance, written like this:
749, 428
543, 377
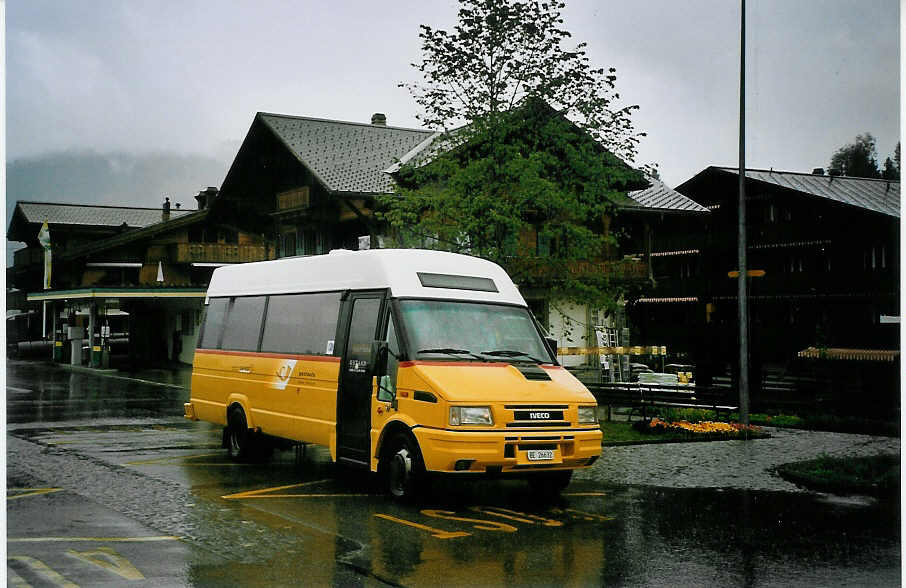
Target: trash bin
96, 356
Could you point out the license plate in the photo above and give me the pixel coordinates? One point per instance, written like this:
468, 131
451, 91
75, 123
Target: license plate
540, 454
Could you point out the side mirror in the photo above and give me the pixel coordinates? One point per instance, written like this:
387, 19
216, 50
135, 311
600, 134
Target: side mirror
552, 345
379, 352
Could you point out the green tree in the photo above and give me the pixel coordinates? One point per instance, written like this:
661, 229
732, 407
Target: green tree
892, 166
858, 159
527, 169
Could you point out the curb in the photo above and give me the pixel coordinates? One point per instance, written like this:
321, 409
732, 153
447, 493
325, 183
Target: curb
112, 373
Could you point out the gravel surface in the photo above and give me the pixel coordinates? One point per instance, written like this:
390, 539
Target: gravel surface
729, 464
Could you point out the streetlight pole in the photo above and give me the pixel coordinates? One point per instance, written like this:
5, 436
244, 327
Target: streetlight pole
743, 274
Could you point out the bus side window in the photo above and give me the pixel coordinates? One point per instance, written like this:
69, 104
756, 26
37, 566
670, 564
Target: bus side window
387, 388
301, 323
213, 323
243, 325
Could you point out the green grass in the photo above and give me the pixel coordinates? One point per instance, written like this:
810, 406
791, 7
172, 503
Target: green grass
877, 475
623, 432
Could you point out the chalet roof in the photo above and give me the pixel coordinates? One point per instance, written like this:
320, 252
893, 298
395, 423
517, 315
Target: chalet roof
148, 231
345, 156
876, 195
92, 215
659, 196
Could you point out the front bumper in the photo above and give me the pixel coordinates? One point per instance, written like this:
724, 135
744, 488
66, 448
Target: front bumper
506, 451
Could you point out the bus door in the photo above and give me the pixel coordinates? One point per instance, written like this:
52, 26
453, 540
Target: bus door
362, 311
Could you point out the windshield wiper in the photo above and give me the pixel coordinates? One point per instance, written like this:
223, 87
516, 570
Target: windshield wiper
512, 353
451, 351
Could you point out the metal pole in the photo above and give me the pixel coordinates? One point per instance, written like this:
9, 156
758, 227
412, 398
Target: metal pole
743, 301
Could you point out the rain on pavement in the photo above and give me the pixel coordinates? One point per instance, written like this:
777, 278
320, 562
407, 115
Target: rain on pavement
106, 483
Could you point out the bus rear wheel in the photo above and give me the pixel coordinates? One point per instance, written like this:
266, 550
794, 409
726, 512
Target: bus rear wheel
404, 469
243, 443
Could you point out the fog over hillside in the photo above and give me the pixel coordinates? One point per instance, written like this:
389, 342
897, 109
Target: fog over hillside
116, 178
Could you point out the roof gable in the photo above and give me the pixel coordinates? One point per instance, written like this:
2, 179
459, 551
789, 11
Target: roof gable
345, 156
659, 196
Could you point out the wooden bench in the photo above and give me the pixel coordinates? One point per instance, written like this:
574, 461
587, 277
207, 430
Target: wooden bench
642, 397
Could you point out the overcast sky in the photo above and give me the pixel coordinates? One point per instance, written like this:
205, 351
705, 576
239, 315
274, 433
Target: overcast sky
128, 78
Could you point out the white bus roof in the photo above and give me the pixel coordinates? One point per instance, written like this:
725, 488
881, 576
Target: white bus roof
408, 273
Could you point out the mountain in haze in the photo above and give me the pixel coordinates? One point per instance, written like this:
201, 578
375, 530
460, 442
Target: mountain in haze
119, 178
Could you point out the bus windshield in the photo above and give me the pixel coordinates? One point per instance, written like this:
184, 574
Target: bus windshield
470, 330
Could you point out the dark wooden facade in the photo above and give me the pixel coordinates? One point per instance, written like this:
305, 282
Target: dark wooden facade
831, 269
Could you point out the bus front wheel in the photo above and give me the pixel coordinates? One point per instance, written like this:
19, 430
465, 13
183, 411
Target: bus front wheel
404, 468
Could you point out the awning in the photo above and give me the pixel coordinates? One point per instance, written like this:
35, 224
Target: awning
850, 354
87, 293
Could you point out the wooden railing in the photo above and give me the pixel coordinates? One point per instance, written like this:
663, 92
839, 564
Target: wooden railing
623, 269
220, 253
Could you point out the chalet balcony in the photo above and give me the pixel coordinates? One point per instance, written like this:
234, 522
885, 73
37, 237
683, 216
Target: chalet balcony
28, 256
220, 253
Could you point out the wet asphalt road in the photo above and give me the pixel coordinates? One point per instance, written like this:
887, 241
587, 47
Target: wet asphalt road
107, 484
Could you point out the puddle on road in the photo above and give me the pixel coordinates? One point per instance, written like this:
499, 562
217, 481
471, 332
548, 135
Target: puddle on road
334, 524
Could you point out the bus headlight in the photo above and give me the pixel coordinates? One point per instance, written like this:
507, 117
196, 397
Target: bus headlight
588, 414
471, 415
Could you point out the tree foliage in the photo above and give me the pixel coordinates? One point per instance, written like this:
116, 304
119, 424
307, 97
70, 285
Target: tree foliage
857, 159
502, 52
528, 165
891, 169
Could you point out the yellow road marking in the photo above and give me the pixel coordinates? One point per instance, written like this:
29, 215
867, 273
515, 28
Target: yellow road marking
251, 493
108, 559
29, 492
585, 516
265, 492
584, 494
295, 496
97, 539
438, 533
477, 523
516, 516
42, 570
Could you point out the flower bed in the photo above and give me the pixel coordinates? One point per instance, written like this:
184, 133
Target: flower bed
710, 430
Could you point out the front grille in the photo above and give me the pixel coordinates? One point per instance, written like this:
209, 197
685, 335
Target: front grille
537, 415
528, 446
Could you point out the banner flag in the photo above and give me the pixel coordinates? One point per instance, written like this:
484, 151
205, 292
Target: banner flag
44, 240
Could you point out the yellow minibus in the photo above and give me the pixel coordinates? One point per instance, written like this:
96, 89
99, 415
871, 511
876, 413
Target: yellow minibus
400, 361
